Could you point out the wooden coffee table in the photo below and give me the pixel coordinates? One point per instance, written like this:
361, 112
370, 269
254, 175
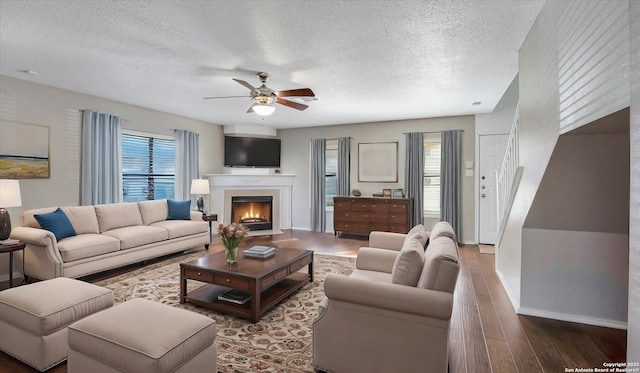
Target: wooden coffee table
267, 280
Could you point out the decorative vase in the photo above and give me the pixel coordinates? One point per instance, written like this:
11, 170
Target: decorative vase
231, 252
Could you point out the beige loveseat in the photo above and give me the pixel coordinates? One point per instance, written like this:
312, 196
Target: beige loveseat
108, 236
392, 314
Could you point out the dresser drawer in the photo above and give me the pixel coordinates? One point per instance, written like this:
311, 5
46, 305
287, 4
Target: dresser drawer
360, 206
199, 275
360, 227
398, 218
341, 205
342, 216
231, 281
381, 227
398, 207
295, 267
398, 228
341, 226
271, 279
369, 217
379, 207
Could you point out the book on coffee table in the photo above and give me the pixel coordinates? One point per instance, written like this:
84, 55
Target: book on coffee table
235, 296
260, 252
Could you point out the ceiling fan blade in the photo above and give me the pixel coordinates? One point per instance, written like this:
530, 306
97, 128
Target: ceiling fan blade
252, 88
251, 109
209, 98
291, 104
300, 92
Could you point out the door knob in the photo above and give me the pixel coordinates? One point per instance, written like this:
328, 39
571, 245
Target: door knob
482, 177
483, 195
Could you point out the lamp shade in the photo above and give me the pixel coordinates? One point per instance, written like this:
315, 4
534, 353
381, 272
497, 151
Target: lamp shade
200, 186
10, 193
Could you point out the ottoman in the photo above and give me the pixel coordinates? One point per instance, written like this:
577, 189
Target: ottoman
34, 318
142, 336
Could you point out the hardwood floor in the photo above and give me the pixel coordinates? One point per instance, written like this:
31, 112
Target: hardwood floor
486, 334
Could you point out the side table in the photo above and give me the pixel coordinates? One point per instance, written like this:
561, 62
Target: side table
209, 218
10, 248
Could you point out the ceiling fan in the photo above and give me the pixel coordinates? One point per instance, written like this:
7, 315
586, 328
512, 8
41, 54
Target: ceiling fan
263, 97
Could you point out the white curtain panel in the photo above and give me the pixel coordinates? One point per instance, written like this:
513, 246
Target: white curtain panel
414, 174
101, 163
187, 166
317, 182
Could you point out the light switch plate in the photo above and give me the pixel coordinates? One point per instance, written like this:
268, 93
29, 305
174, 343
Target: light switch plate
468, 165
469, 172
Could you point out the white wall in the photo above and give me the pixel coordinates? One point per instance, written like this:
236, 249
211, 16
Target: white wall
552, 286
633, 327
500, 119
573, 69
58, 109
295, 159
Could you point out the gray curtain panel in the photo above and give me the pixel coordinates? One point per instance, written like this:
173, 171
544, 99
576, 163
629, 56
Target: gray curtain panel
187, 166
450, 191
414, 175
317, 173
101, 163
344, 160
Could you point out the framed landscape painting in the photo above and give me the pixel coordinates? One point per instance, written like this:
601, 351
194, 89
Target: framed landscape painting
378, 162
24, 150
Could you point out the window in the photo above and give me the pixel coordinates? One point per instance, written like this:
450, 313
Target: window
432, 156
148, 167
331, 171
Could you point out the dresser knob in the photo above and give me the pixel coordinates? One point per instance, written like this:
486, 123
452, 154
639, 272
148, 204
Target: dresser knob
275, 277
199, 274
228, 280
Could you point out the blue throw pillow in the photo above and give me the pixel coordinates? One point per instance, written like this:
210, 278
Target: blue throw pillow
179, 210
57, 223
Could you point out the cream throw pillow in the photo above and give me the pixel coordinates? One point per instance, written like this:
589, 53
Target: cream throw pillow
409, 262
420, 233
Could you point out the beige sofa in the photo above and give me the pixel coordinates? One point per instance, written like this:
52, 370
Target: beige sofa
392, 314
108, 236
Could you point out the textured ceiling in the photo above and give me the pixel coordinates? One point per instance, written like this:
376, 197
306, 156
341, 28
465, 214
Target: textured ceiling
366, 61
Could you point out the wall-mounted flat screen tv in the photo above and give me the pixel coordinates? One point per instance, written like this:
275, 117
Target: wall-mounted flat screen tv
251, 152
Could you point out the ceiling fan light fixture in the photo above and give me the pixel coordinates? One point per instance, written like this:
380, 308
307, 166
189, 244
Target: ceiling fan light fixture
263, 105
264, 109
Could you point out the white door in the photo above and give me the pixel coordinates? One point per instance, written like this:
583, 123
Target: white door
492, 149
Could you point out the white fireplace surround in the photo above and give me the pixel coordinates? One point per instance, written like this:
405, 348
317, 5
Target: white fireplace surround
278, 186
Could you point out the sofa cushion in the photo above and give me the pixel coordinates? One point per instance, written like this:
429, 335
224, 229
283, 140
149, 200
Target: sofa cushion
137, 235
181, 228
86, 246
442, 229
179, 210
420, 233
408, 265
83, 219
153, 211
364, 274
57, 223
117, 215
441, 266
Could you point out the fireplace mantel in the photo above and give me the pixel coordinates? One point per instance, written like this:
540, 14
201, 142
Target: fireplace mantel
224, 186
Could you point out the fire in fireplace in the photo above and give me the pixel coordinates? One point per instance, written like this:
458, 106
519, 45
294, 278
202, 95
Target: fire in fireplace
254, 212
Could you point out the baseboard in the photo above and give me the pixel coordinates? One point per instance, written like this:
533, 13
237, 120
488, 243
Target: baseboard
572, 318
515, 301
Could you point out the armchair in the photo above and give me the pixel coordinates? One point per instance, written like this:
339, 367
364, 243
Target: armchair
368, 322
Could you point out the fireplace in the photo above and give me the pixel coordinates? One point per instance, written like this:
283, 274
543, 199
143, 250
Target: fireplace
254, 212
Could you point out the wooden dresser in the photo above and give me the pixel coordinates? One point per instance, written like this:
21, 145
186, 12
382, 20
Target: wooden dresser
362, 215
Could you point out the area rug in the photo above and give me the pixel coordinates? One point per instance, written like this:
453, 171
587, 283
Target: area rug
280, 342
486, 249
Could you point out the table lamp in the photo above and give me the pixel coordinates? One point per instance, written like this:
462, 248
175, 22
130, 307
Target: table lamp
200, 187
9, 197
